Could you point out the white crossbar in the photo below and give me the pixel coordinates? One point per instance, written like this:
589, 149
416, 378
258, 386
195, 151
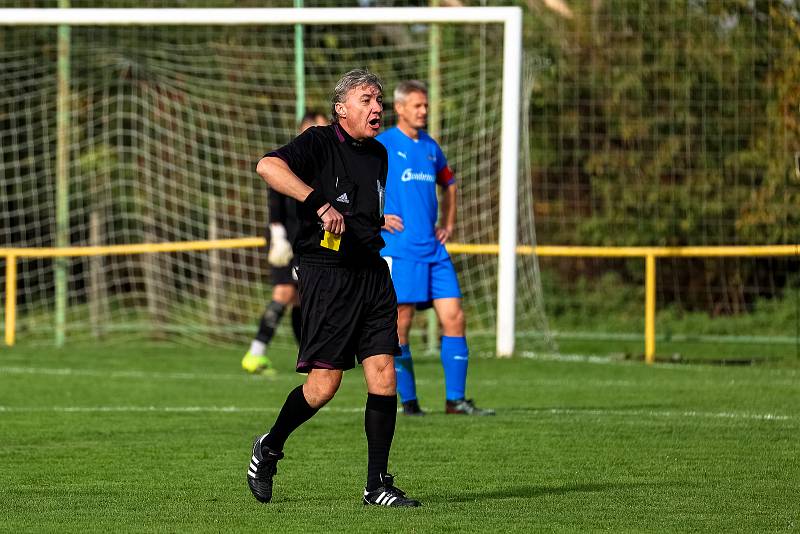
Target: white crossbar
255, 16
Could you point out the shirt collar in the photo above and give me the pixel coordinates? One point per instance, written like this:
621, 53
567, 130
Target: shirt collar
344, 137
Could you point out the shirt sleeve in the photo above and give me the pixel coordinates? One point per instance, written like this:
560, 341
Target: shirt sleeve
444, 174
277, 207
300, 155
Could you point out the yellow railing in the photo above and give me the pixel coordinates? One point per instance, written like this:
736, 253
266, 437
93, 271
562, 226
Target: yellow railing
11, 255
648, 253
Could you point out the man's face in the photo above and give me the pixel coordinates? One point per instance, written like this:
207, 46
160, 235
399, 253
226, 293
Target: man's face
413, 110
363, 109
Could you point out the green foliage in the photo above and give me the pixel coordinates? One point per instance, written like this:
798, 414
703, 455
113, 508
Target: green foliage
671, 147
668, 123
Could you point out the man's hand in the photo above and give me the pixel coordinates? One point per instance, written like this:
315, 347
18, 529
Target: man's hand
443, 234
280, 250
392, 223
332, 220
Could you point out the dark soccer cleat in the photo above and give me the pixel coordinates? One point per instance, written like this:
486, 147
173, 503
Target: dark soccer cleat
388, 495
412, 408
263, 466
465, 407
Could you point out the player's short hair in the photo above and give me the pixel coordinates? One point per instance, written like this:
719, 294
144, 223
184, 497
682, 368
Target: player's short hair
352, 80
407, 87
310, 118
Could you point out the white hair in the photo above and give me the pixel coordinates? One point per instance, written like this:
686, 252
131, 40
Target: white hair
407, 87
352, 80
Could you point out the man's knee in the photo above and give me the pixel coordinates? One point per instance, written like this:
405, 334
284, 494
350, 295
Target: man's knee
405, 314
452, 319
380, 375
321, 386
284, 293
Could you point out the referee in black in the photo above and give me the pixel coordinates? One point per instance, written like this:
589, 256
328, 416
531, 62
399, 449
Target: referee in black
348, 307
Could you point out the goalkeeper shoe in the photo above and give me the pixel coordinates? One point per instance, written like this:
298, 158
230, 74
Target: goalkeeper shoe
465, 407
412, 408
258, 365
263, 466
388, 495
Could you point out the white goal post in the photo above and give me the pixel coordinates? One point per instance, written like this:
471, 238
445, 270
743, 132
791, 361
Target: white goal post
509, 17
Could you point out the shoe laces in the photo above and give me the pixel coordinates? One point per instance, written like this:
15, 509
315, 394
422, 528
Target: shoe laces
389, 487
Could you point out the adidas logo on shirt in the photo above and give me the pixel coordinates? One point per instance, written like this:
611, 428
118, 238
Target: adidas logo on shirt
402, 154
343, 198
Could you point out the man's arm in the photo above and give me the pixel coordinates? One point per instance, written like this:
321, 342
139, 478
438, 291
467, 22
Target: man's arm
448, 217
280, 177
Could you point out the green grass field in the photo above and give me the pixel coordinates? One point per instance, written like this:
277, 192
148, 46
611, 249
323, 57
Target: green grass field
157, 438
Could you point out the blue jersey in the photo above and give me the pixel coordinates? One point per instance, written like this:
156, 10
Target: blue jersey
416, 166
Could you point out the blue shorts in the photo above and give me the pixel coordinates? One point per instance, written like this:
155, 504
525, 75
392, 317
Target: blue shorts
420, 283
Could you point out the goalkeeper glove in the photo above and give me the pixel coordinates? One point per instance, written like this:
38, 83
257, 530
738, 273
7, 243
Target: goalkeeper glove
280, 250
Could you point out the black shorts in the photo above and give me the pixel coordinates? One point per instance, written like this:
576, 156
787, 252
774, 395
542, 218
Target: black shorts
348, 314
284, 275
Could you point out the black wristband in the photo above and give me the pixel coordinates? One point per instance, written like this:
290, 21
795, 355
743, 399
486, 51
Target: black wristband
315, 200
324, 211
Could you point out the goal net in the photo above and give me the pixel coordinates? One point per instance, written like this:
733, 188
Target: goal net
163, 127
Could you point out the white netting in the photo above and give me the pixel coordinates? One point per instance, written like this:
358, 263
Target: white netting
165, 127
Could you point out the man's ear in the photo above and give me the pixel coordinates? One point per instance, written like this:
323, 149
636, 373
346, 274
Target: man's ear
341, 110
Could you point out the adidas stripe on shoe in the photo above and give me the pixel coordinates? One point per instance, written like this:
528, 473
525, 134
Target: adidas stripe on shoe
263, 466
388, 495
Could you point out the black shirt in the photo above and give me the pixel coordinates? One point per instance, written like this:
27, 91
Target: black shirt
351, 175
282, 210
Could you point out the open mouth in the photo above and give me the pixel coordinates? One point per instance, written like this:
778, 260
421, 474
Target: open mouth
375, 123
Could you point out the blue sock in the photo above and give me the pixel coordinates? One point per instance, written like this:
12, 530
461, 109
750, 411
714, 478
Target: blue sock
404, 368
455, 357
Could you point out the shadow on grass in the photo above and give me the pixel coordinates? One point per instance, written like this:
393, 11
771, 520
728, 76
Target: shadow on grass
528, 492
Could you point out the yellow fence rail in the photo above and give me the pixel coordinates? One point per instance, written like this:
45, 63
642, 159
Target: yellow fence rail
650, 254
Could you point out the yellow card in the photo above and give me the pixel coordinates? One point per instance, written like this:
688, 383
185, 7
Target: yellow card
331, 241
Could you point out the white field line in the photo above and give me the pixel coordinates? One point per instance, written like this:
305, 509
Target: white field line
786, 377
638, 414
293, 377
65, 371
585, 358
689, 414
159, 409
611, 360
604, 360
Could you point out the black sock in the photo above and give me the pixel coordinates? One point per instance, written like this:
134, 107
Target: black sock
294, 413
379, 420
269, 321
296, 318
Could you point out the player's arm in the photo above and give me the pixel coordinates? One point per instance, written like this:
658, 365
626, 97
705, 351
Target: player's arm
280, 177
448, 215
445, 180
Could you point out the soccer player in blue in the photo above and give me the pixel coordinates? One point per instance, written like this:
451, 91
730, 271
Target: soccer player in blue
420, 266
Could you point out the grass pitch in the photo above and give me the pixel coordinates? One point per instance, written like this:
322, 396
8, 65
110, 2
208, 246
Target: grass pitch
157, 438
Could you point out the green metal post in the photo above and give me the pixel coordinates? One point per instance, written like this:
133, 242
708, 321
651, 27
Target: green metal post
299, 68
434, 78
434, 129
62, 174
